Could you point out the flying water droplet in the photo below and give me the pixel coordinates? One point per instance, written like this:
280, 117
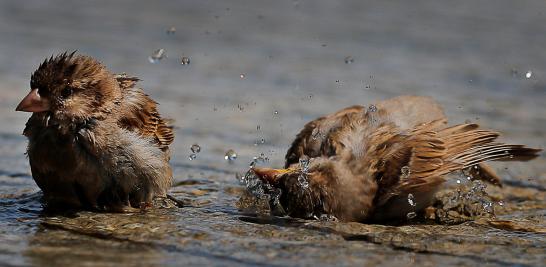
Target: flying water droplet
171, 30
411, 200
192, 156
488, 207
230, 155
157, 55
411, 215
276, 112
405, 172
304, 164
302, 180
349, 60
242, 75
528, 74
260, 159
184, 61
327, 218
195, 148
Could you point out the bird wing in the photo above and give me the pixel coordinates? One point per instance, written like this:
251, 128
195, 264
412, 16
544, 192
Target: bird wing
405, 112
311, 138
140, 113
417, 161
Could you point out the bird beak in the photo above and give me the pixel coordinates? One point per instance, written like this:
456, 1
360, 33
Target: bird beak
270, 175
33, 102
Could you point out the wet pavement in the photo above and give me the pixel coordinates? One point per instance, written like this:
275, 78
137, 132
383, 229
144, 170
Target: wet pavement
257, 72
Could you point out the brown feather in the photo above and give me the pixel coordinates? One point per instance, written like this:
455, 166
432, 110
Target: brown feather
140, 113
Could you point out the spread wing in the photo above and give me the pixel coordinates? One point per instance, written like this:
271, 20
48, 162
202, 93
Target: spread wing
317, 138
404, 111
417, 161
140, 113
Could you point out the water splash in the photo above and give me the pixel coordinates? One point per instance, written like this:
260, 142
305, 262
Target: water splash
261, 197
195, 148
411, 200
230, 155
372, 115
184, 61
157, 56
303, 181
405, 172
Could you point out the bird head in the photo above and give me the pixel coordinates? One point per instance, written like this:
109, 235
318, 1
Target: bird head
324, 186
70, 87
300, 194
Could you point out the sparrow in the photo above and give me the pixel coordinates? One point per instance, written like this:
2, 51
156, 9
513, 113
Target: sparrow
382, 162
95, 140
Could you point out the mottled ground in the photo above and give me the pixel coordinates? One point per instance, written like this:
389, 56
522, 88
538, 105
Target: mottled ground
250, 59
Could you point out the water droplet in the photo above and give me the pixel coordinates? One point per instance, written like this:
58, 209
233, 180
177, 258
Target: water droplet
192, 156
185, 61
528, 74
501, 203
157, 55
230, 155
411, 215
171, 30
302, 180
304, 164
349, 60
372, 108
488, 207
458, 181
327, 218
411, 200
258, 127
242, 75
405, 172
262, 141
195, 148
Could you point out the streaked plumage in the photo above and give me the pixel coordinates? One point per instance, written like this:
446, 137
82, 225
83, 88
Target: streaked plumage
365, 162
95, 139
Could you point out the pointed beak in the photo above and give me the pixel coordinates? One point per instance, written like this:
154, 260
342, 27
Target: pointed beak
270, 175
33, 102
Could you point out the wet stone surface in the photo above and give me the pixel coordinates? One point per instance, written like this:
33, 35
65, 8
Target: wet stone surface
259, 72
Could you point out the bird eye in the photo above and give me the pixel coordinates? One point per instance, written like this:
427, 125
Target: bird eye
66, 92
42, 91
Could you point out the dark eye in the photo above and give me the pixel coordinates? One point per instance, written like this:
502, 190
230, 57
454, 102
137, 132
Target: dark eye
66, 92
42, 91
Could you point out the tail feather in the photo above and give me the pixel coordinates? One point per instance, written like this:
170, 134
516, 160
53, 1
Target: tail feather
467, 146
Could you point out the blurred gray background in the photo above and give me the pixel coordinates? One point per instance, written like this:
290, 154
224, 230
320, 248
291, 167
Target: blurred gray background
261, 69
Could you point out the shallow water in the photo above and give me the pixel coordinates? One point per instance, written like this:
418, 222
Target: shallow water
260, 71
